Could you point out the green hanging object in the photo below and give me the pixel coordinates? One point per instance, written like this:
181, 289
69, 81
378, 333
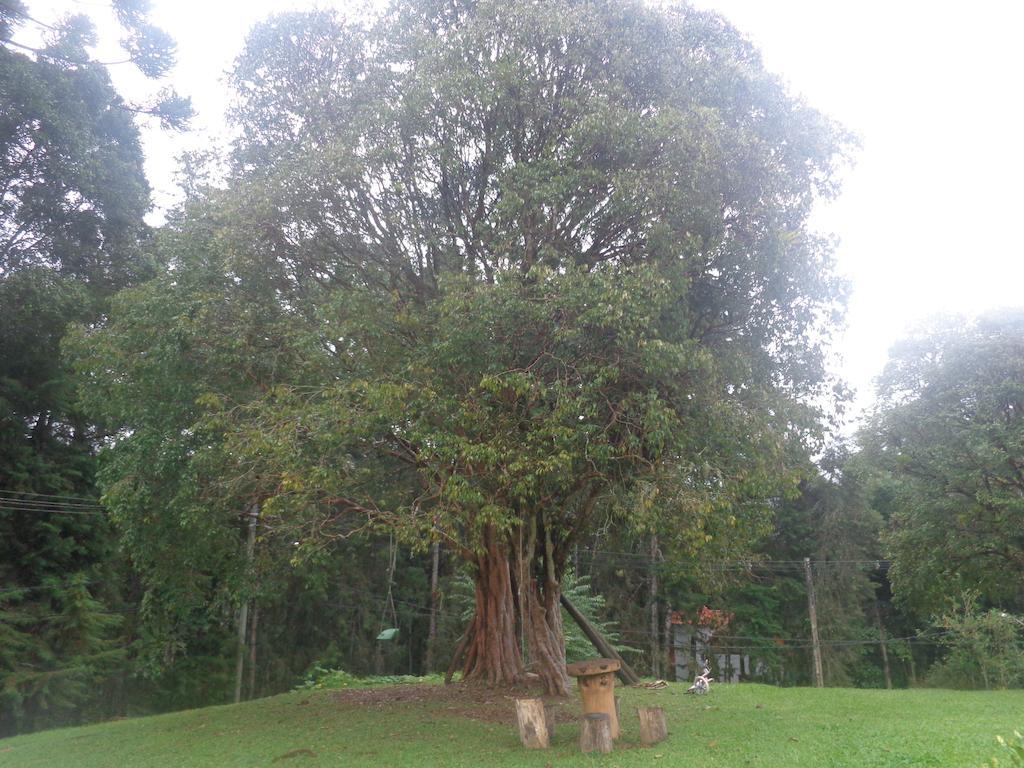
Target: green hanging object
388, 634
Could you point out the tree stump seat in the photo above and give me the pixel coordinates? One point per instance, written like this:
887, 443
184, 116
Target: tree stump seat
596, 733
652, 725
534, 722
596, 680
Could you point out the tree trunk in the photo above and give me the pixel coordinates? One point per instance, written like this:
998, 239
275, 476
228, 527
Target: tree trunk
653, 606
542, 625
530, 581
668, 645
885, 651
428, 663
540, 593
625, 672
460, 649
492, 655
243, 611
252, 648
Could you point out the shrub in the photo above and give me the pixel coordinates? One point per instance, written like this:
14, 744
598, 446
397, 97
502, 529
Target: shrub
985, 648
319, 678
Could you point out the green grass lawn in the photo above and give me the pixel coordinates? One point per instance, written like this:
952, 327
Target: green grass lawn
741, 725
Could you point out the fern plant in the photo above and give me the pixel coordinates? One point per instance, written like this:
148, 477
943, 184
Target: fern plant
579, 592
591, 604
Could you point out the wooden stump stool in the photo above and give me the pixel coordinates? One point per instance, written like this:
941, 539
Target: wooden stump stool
652, 725
596, 733
533, 723
596, 680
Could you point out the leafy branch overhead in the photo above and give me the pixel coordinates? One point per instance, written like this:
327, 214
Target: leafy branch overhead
65, 47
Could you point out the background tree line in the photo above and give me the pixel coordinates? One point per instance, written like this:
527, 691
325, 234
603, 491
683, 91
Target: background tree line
494, 302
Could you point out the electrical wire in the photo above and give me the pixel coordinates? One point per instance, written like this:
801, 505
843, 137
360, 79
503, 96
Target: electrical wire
33, 495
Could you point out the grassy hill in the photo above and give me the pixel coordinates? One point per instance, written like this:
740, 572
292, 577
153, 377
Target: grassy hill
428, 725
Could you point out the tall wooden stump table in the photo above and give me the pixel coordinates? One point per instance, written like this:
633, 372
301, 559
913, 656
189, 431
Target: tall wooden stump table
596, 680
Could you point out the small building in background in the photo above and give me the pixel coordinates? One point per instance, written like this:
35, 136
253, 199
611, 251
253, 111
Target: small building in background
693, 642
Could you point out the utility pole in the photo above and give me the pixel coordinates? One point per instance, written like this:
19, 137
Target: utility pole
819, 680
243, 611
655, 624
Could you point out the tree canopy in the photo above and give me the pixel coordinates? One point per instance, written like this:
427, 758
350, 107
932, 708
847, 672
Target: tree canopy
948, 437
538, 263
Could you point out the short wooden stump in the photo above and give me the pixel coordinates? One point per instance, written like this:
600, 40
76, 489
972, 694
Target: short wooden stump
652, 725
534, 723
596, 680
595, 733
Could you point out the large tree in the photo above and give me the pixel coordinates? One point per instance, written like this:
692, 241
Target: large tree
73, 194
72, 199
556, 260
948, 438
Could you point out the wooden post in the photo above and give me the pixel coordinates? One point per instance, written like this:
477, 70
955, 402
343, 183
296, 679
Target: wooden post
819, 680
652, 725
596, 733
625, 672
533, 723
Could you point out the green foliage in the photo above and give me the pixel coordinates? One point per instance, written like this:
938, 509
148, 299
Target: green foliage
591, 604
318, 678
831, 522
177, 347
487, 273
547, 303
72, 198
946, 444
984, 649
57, 647
579, 591
1012, 751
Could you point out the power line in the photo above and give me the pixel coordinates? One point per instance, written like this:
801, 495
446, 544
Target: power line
47, 510
87, 500
740, 565
13, 507
48, 503
739, 642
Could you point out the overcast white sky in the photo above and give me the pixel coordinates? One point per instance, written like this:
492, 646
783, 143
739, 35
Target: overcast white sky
929, 218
